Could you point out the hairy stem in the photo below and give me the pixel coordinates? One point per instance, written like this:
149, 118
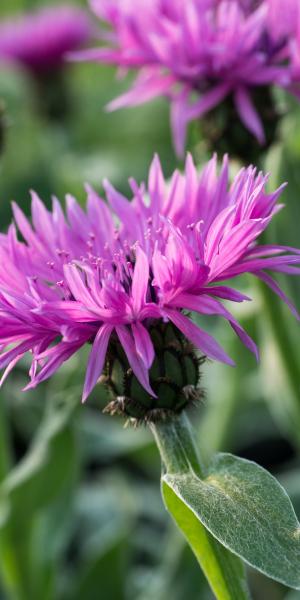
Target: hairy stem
224, 571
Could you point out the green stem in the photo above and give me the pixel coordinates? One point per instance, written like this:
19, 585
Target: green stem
13, 567
176, 445
13, 571
179, 454
284, 346
8, 564
2, 126
5, 450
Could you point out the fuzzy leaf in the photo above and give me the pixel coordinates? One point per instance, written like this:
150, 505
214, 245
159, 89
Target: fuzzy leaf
224, 571
245, 509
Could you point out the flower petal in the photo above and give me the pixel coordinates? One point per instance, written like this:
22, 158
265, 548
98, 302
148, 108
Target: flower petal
56, 355
210, 306
137, 365
143, 344
96, 359
201, 339
277, 290
140, 280
248, 114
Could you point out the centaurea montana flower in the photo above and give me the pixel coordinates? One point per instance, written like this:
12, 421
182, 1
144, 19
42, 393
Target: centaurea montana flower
38, 41
119, 271
200, 52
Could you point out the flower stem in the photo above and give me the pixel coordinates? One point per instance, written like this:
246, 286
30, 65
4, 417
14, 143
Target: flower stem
286, 351
179, 454
13, 556
285, 348
2, 126
5, 450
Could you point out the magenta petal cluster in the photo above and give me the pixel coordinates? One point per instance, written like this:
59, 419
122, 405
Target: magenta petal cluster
38, 41
120, 267
198, 52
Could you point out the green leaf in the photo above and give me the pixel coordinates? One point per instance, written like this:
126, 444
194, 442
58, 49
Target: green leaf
104, 527
41, 474
244, 508
224, 571
99, 579
292, 596
45, 471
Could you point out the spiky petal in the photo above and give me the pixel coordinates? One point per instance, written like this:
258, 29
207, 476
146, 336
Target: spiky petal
199, 52
79, 279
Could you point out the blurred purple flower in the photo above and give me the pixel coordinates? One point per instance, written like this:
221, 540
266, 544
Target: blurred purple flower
116, 269
198, 52
283, 20
38, 41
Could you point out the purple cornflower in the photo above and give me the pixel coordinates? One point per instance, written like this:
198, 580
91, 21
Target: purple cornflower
38, 41
118, 269
199, 52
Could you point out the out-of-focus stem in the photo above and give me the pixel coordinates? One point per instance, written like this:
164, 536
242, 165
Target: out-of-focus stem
288, 353
5, 450
2, 126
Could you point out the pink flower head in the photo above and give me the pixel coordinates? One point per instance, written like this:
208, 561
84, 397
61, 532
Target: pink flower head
118, 268
198, 52
39, 41
282, 19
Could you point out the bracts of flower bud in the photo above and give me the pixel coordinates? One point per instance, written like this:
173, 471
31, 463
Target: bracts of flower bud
175, 377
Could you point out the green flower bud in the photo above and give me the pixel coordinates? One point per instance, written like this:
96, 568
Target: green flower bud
224, 133
174, 377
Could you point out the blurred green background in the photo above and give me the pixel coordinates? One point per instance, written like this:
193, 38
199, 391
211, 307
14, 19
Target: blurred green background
80, 508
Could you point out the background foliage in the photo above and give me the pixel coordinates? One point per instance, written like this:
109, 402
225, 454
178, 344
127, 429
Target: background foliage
80, 508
